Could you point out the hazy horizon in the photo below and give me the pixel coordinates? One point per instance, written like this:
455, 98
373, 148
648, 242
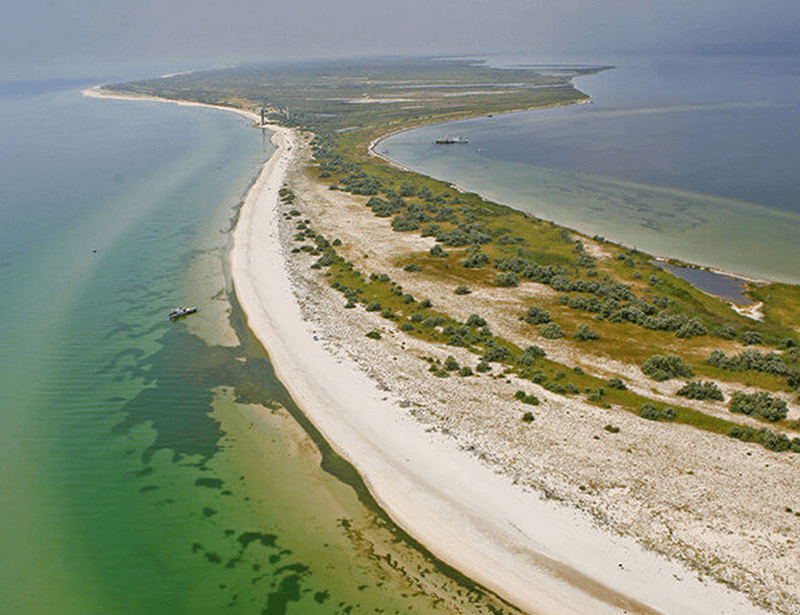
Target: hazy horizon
53, 38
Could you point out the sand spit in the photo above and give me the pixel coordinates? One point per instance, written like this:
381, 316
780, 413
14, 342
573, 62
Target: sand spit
558, 517
452, 464
98, 92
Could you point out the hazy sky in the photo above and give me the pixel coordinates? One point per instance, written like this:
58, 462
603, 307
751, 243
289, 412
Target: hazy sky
48, 36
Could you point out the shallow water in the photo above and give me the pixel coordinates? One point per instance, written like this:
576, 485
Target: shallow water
150, 466
692, 158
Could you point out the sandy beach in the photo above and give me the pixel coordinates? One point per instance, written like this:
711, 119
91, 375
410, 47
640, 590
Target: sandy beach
538, 553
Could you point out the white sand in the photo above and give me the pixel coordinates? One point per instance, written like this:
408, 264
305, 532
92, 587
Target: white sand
539, 555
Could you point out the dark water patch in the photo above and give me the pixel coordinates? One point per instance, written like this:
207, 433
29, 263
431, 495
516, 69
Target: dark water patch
178, 406
717, 284
212, 483
288, 590
322, 597
143, 472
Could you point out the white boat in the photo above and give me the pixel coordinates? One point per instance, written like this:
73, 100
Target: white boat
180, 312
450, 140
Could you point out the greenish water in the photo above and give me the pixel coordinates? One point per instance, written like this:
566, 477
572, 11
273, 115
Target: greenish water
157, 467
692, 158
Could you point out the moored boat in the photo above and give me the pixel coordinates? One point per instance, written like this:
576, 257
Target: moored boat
180, 312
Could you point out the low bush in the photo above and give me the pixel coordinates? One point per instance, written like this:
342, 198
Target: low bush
450, 364
507, 280
462, 290
760, 404
412, 267
528, 357
551, 331
475, 320
660, 368
651, 413
700, 390
374, 307
585, 334
617, 384
526, 399
375, 335
537, 316
750, 338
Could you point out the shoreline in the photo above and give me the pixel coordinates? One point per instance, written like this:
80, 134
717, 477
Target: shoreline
535, 553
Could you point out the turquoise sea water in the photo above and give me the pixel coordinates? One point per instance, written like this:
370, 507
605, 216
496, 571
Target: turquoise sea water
157, 467
693, 158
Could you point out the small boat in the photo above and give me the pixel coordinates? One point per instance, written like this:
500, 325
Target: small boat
180, 312
451, 140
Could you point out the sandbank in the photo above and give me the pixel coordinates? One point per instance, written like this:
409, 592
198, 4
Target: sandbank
538, 554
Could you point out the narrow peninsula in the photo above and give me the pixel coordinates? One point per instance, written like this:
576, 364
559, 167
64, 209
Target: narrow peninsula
557, 416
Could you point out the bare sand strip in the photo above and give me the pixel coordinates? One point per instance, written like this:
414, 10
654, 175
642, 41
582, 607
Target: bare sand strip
542, 556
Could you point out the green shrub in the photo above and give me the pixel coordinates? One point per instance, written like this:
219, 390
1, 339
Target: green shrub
700, 390
438, 252
406, 326
387, 313
476, 258
693, 328
507, 280
412, 267
651, 413
537, 316
495, 352
555, 387
611, 429
475, 320
750, 338
450, 364
465, 371
528, 417
425, 303
374, 307
526, 399
585, 333
528, 357
760, 404
462, 290
551, 331
617, 384
483, 366
661, 368
375, 335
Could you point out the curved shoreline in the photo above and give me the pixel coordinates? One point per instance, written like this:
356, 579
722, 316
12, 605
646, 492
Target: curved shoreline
537, 554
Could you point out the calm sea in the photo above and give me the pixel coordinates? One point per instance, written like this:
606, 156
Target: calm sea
157, 467
694, 158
